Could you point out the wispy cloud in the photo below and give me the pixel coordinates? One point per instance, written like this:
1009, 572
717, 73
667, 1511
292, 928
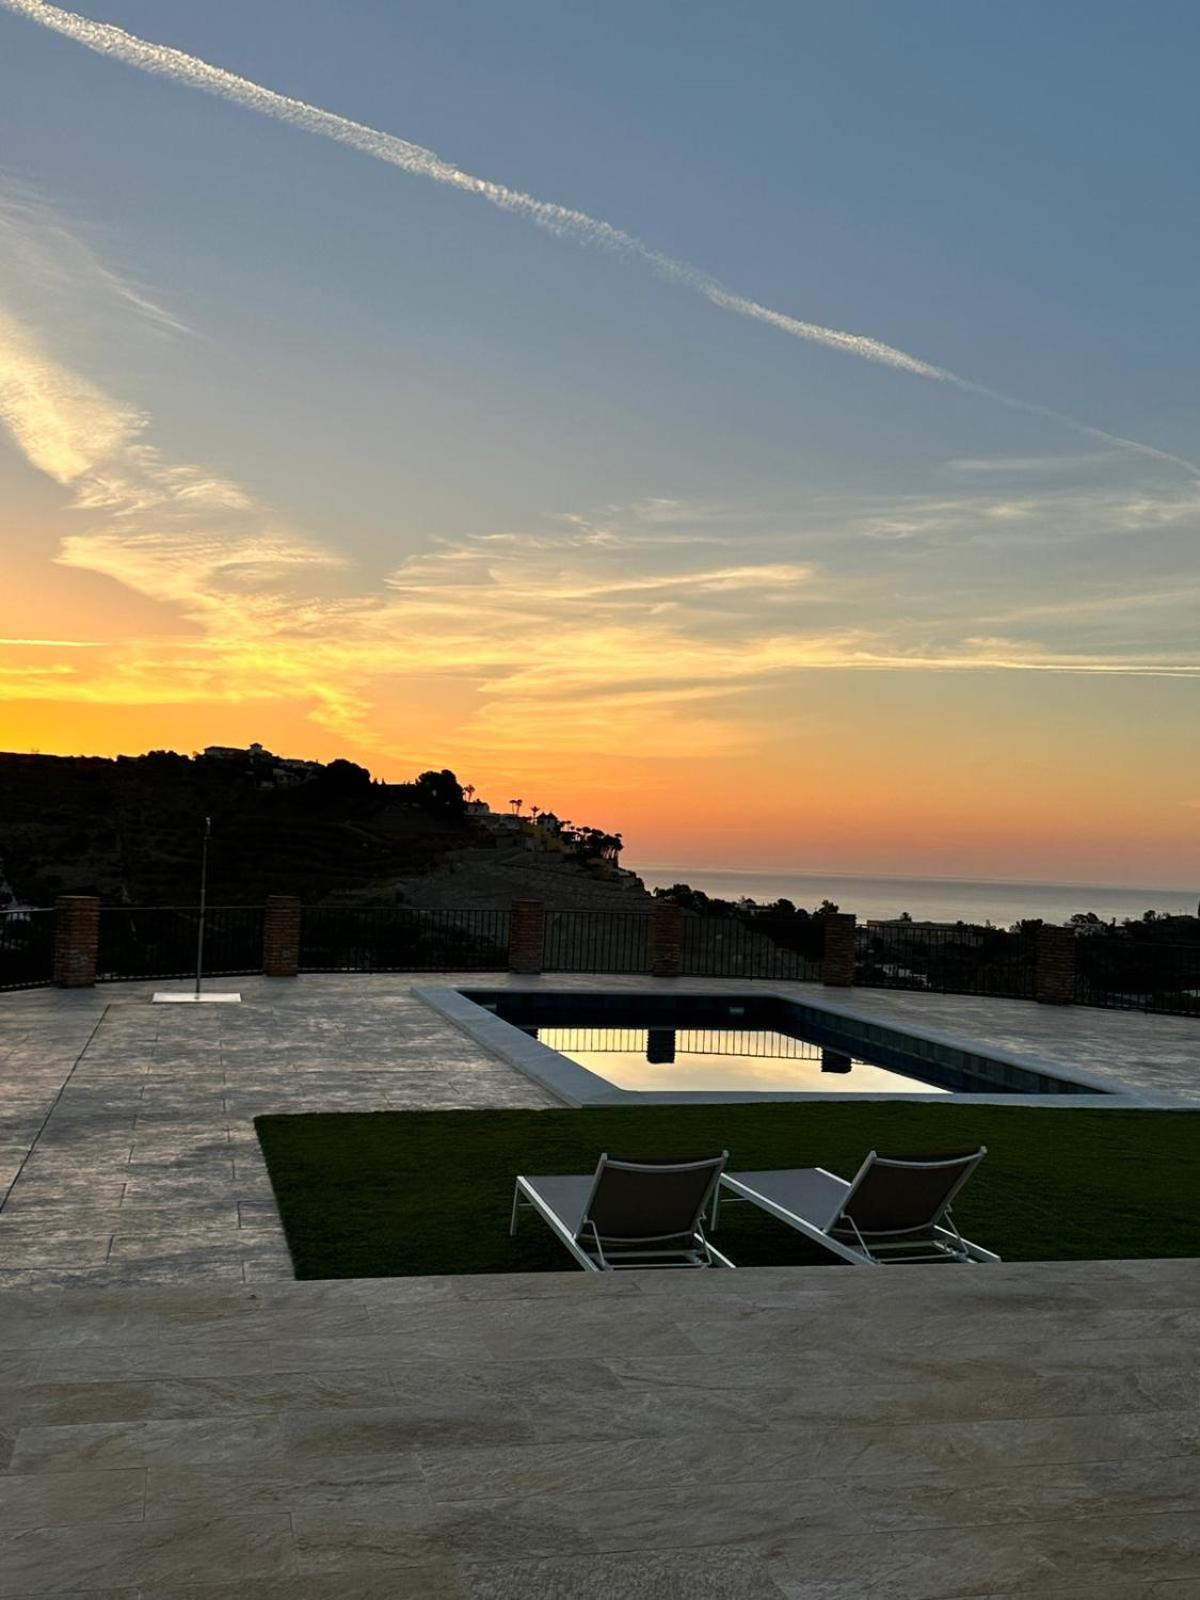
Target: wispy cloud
1026, 465
173, 531
626, 629
554, 635
47, 256
1071, 514
64, 424
562, 221
168, 525
1119, 602
51, 644
415, 578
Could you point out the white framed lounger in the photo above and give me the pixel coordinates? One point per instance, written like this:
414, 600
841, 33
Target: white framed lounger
914, 1191
629, 1213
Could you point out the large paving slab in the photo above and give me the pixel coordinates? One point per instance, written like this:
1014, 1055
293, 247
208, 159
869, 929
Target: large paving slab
818, 1434
1156, 1055
128, 1128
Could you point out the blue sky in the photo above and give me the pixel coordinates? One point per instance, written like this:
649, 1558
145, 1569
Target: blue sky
398, 371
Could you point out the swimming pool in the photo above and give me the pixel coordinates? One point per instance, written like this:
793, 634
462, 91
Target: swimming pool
591, 1047
669, 1057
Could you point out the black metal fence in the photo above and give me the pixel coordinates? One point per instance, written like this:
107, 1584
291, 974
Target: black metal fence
397, 939
727, 947
1133, 973
160, 941
597, 941
960, 960
1115, 967
26, 949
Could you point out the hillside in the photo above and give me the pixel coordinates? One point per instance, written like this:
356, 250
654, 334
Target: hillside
129, 829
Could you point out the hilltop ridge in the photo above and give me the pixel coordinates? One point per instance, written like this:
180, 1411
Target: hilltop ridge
128, 828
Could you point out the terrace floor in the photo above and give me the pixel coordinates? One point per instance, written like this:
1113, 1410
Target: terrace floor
814, 1434
126, 1129
174, 1426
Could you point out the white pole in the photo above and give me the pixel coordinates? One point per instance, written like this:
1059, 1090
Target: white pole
203, 901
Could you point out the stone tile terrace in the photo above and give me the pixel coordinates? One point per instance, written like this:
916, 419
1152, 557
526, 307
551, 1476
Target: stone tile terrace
815, 1434
126, 1129
181, 1421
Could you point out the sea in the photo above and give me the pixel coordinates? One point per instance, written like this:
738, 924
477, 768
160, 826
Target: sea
977, 900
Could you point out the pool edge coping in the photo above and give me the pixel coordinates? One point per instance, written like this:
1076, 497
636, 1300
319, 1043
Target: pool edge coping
575, 1086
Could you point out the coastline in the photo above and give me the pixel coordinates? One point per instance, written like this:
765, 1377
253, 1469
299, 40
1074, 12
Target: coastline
933, 899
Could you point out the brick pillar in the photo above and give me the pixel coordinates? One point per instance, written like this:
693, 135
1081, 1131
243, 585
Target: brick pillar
1054, 977
526, 936
837, 964
666, 939
281, 936
76, 940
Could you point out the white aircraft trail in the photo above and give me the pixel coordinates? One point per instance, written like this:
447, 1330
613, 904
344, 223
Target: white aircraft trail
562, 221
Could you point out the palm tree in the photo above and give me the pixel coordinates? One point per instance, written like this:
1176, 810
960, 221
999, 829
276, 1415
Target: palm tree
516, 805
469, 791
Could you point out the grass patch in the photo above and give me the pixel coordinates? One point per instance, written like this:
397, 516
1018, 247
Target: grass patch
401, 1193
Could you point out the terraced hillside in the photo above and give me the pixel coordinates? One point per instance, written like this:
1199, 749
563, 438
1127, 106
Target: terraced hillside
129, 829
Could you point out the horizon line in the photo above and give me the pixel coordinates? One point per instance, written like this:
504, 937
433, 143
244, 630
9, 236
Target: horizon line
899, 877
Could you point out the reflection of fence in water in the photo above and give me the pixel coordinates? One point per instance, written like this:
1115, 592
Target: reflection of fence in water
657, 1042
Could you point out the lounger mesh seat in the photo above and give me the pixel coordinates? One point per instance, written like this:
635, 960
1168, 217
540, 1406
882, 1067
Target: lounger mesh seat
896, 1208
630, 1212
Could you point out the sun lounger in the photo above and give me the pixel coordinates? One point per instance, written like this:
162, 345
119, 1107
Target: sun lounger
630, 1212
896, 1208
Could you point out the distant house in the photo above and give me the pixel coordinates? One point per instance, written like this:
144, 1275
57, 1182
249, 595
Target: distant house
477, 809
290, 770
502, 822
283, 771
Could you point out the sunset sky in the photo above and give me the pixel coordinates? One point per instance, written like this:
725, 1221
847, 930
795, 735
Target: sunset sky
310, 440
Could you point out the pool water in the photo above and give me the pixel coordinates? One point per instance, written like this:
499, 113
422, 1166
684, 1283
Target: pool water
758, 1059
683, 1042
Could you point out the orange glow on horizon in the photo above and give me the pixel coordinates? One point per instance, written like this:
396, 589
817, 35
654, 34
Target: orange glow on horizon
866, 794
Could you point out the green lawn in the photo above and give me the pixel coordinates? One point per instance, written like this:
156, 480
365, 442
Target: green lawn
399, 1193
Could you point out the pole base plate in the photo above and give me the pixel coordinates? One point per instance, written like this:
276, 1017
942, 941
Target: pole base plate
177, 997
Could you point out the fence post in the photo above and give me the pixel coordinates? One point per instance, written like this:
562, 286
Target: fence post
281, 936
837, 964
1054, 975
666, 940
76, 940
527, 936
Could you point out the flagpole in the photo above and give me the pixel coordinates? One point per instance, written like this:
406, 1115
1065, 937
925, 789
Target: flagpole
178, 996
203, 902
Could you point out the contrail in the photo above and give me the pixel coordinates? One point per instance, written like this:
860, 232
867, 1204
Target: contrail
562, 221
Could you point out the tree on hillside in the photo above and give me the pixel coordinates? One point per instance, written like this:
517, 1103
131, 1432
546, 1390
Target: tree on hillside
682, 894
591, 844
440, 794
347, 775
